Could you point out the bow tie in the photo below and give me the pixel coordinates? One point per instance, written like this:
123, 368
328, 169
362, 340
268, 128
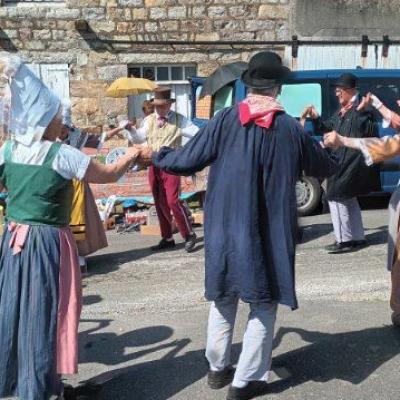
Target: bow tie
161, 121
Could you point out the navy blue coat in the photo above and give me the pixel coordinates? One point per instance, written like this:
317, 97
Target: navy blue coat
250, 208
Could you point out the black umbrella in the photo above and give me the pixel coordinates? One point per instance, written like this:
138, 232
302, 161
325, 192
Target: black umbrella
222, 76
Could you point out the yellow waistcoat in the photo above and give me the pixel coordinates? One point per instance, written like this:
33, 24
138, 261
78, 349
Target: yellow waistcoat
168, 135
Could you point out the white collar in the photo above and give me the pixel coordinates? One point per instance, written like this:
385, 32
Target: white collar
168, 116
354, 98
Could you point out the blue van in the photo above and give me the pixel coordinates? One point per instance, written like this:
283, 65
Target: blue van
303, 89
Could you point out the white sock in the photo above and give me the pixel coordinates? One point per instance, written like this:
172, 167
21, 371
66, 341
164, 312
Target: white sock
237, 383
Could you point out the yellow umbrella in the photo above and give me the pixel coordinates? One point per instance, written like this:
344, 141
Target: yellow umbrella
123, 87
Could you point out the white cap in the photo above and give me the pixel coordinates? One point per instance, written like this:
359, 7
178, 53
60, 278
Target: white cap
32, 105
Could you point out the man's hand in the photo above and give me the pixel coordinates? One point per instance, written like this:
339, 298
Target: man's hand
333, 140
123, 124
375, 101
365, 102
145, 154
133, 153
309, 112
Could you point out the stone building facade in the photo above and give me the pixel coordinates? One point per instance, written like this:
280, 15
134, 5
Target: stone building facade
92, 38
83, 45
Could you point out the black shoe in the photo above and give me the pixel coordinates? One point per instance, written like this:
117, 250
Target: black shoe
253, 389
86, 391
396, 319
190, 242
332, 246
343, 247
68, 393
359, 244
164, 244
219, 379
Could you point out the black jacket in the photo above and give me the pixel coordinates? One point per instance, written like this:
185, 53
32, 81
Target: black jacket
354, 177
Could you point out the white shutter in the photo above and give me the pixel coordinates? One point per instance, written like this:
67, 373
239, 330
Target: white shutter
56, 78
135, 104
181, 93
330, 57
392, 60
35, 68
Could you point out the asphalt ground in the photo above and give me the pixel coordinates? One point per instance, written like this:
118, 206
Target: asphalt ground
142, 334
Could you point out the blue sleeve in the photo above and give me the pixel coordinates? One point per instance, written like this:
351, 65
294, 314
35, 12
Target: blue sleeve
198, 153
315, 160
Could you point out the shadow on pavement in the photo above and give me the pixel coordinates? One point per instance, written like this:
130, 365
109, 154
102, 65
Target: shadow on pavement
105, 263
109, 348
91, 299
158, 379
348, 356
315, 231
379, 237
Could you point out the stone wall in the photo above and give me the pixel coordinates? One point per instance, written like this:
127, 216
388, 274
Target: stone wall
46, 33
347, 18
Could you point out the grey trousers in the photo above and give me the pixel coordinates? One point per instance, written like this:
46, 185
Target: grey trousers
346, 220
255, 359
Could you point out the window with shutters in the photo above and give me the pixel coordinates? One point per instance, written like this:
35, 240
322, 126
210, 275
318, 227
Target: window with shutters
161, 73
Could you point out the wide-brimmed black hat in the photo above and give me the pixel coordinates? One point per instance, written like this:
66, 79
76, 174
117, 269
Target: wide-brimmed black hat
265, 70
346, 81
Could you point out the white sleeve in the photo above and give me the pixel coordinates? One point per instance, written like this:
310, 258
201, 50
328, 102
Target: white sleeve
139, 135
102, 140
187, 127
71, 163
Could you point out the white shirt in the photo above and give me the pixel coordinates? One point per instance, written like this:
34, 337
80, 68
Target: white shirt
187, 127
69, 162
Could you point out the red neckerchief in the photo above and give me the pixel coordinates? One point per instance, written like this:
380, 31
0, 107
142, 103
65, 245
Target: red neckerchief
345, 108
259, 109
348, 106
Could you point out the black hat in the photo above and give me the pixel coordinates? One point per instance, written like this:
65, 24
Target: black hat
346, 81
265, 70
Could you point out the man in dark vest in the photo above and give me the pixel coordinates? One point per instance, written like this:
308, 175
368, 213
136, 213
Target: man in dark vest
354, 178
256, 153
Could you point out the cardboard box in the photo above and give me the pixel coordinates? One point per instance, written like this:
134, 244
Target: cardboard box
198, 218
150, 230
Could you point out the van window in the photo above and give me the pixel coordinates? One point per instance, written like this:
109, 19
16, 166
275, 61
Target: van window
388, 91
296, 97
223, 99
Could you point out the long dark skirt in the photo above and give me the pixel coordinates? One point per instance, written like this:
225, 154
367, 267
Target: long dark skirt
28, 315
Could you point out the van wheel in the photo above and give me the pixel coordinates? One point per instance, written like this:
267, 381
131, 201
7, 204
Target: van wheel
308, 195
